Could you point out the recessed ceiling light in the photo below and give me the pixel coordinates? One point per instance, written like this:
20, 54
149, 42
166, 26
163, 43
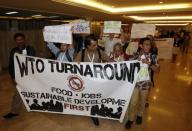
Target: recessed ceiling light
160, 18
36, 15
159, 22
171, 24
13, 12
92, 4
161, 2
53, 16
124, 24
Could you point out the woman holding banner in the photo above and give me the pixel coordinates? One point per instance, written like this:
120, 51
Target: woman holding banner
154, 53
142, 87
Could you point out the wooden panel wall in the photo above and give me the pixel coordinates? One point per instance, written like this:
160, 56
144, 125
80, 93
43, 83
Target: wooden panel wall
33, 38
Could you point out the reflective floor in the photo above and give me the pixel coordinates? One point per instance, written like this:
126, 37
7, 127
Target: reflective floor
170, 106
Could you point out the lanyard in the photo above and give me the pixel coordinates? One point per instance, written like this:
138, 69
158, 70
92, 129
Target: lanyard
148, 57
62, 57
91, 59
117, 59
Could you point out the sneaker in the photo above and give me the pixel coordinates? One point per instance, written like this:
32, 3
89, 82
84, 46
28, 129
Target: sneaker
95, 121
139, 120
128, 124
10, 115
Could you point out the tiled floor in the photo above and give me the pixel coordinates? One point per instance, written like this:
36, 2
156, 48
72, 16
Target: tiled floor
170, 106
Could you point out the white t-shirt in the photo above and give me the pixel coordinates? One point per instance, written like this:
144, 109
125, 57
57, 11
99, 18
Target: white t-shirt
109, 44
24, 51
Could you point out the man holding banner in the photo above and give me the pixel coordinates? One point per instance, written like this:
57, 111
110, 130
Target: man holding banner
24, 49
92, 54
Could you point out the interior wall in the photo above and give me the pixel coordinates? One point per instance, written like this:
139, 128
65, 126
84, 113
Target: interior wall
33, 38
189, 28
96, 28
33, 34
170, 28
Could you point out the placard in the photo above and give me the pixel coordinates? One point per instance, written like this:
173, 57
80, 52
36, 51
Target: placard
112, 27
82, 27
58, 33
142, 30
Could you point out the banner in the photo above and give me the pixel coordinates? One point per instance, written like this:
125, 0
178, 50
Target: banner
82, 27
58, 33
143, 73
142, 30
89, 89
112, 27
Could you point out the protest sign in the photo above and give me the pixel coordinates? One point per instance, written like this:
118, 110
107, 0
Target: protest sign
82, 27
90, 89
58, 33
142, 30
112, 27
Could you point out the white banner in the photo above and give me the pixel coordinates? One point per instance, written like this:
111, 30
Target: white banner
143, 73
90, 89
81, 27
58, 33
112, 27
142, 30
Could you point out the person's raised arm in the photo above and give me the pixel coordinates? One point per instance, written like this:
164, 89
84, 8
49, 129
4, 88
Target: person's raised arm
53, 48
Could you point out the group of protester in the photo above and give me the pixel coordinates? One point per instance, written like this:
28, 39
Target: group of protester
113, 49
181, 39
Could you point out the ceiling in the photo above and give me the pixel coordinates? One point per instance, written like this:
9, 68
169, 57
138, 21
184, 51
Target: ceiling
26, 8
123, 3
48, 6
32, 14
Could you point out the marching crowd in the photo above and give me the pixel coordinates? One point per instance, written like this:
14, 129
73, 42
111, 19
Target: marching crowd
181, 39
109, 48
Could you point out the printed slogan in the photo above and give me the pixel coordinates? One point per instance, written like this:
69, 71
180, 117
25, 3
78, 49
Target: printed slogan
89, 89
